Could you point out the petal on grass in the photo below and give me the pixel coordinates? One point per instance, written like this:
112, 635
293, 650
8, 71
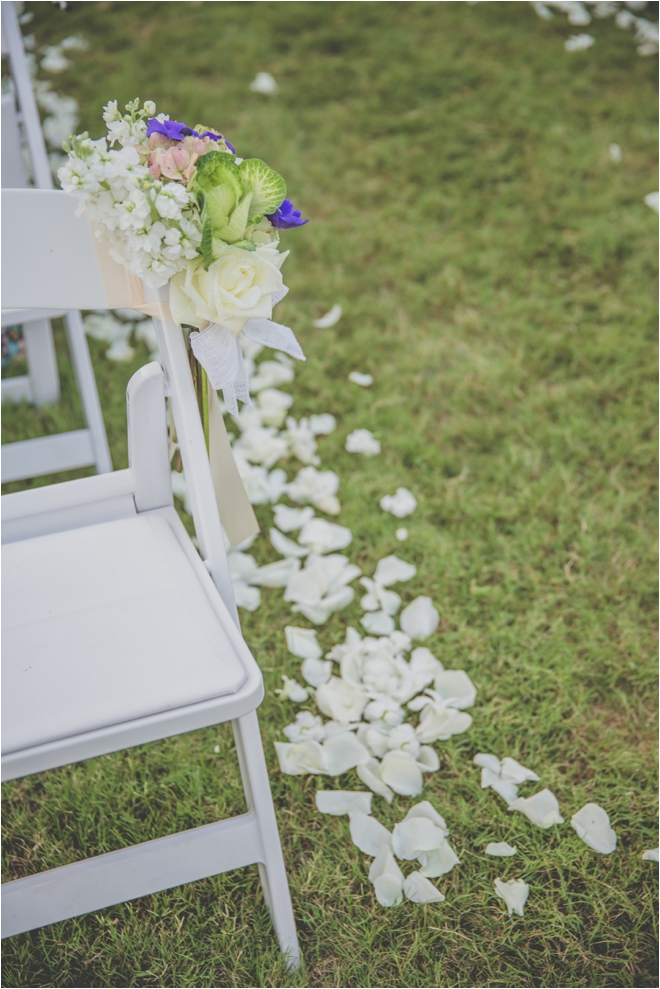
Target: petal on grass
501, 849
419, 890
286, 546
487, 761
515, 773
301, 642
428, 759
514, 892
293, 690
456, 688
541, 809
289, 519
343, 752
387, 878
340, 802
276, 574
391, 569
438, 723
377, 622
651, 855
593, 825
426, 809
420, 619
400, 504
316, 671
369, 834
415, 835
364, 380
438, 861
362, 441
400, 772
330, 319
320, 536
301, 758
369, 774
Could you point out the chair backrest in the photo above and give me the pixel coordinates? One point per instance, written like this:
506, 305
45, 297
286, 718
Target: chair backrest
28, 115
51, 258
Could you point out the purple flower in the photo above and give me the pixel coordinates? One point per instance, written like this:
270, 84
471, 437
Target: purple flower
176, 131
286, 217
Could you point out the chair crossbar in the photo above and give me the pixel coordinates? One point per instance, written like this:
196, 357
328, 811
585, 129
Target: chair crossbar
102, 881
47, 455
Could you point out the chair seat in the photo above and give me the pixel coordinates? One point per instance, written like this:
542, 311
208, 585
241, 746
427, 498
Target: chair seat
103, 625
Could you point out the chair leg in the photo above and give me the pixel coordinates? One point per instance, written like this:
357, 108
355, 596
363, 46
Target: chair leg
259, 800
89, 396
42, 362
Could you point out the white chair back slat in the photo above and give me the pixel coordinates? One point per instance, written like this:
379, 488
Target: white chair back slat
14, 175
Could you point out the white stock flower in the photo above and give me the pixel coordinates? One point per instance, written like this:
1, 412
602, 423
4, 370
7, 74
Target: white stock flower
592, 824
418, 889
317, 487
320, 536
364, 380
302, 642
400, 504
289, 519
293, 691
514, 893
420, 619
386, 878
541, 809
500, 849
301, 758
237, 287
369, 834
306, 726
341, 701
340, 802
362, 441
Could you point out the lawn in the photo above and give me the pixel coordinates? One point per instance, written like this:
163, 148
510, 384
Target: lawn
497, 272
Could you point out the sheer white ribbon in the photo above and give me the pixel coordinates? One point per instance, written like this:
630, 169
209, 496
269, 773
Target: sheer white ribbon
219, 352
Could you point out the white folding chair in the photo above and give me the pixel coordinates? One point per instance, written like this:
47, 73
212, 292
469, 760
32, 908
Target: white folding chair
116, 630
41, 385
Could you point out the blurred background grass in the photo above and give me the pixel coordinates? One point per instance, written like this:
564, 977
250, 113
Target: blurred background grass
497, 273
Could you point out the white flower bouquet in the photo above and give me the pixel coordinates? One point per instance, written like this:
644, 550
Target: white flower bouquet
178, 206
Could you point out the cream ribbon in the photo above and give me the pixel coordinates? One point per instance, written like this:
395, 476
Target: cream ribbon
124, 291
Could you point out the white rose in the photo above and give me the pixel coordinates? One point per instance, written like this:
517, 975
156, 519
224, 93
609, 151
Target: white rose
237, 287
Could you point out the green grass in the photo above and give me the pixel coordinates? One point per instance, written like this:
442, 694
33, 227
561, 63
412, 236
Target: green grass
497, 272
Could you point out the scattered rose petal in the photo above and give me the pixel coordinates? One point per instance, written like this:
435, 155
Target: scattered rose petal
293, 691
273, 405
400, 504
362, 441
488, 761
415, 835
578, 43
320, 536
507, 790
419, 890
286, 546
615, 153
501, 849
377, 622
306, 725
301, 758
316, 671
438, 861
439, 722
343, 752
301, 642
341, 701
541, 809
401, 535
331, 318
428, 759
271, 374
276, 574
403, 737
246, 597
651, 855
317, 487
265, 84
425, 666
364, 380
652, 200
369, 834
426, 809
387, 878
593, 825
456, 688
289, 519
514, 892
400, 772
420, 619
323, 424
390, 570
340, 802
369, 773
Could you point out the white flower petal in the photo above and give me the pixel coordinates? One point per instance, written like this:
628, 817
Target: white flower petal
514, 893
340, 802
246, 597
438, 723
323, 424
344, 752
400, 772
320, 536
276, 574
438, 861
330, 319
578, 43
541, 809
301, 758
415, 835
428, 759
301, 642
317, 487
364, 380
377, 622
651, 855
369, 773
424, 666
400, 504
513, 771
420, 619
652, 200
401, 535
306, 725
264, 84
488, 761
369, 834
456, 688
316, 671
507, 790
289, 519
593, 825
270, 374
362, 441
273, 405
419, 890
341, 701
426, 809
286, 546
387, 878
293, 691
501, 849
391, 569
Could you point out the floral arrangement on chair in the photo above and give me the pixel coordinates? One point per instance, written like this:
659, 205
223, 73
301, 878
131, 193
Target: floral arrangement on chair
178, 206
